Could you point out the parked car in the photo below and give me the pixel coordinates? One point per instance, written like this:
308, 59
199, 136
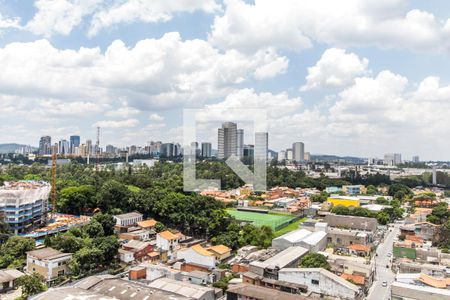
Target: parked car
384, 284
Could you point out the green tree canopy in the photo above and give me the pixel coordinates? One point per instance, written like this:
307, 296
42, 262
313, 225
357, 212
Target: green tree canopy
314, 260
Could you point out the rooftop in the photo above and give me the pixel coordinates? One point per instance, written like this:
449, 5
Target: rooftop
129, 215
259, 292
285, 257
220, 249
9, 275
167, 235
181, 288
357, 279
47, 253
147, 223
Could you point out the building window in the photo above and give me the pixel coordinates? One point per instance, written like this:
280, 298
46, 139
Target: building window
313, 281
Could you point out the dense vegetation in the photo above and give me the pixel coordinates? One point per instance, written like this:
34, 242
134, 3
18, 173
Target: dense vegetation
314, 260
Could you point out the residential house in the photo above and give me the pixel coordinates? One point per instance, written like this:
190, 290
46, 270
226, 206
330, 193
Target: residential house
168, 242
139, 249
359, 250
147, 224
197, 255
48, 262
221, 252
8, 279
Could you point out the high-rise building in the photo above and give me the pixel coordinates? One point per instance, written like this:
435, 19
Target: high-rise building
261, 145
249, 151
176, 150
281, 155
63, 147
74, 143
89, 148
240, 143
110, 149
307, 156
45, 145
207, 152
227, 140
167, 150
415, 159
298, 152
289, 154
392, 159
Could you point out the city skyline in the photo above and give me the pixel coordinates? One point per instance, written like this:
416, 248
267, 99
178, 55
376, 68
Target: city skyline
347, 88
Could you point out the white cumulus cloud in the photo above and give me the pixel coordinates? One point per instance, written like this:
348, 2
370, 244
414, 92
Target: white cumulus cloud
336, 68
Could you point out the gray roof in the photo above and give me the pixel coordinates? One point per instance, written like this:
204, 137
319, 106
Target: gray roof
324, 272
72, 293
125, 290
182, 288
352, 222
262, 293
47, 253
283, 258
9, 275
133, 214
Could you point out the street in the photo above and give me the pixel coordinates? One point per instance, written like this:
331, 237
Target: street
377, 291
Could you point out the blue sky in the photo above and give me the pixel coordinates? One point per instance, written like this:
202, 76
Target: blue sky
349, 78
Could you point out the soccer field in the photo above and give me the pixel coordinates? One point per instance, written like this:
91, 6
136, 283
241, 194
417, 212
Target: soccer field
274, 221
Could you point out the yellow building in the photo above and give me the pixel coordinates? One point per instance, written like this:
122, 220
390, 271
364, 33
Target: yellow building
345, 201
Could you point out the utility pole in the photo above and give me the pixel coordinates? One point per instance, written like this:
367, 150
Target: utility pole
97, 150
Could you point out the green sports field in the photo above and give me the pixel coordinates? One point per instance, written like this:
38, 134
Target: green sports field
272, 220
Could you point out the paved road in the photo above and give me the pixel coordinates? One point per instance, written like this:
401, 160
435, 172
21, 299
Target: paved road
377, 291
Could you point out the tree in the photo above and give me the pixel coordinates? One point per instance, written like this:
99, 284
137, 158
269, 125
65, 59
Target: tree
113, 194
94, 229
65, 242
159, 227
314, 260
108, 245
86, 260
107, 221
31, 284
15, 248
340, 210
399, 191
74, 199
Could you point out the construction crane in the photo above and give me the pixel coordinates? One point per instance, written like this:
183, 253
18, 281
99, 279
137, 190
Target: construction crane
54, 158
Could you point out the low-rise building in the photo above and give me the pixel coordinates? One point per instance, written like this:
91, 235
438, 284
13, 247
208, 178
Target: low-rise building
167, 241
197, 255
406, 291
8, 279
288, 258
124, 221
345, 237
221, 252
107, 287
251, 292
48, 262
354, 189
313, 241
346, 201
322, 283
186, 289
139, 249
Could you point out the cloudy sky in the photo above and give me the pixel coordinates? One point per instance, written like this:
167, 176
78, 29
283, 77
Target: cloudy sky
346, 77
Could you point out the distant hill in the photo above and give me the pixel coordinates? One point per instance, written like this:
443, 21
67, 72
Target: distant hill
11, 148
